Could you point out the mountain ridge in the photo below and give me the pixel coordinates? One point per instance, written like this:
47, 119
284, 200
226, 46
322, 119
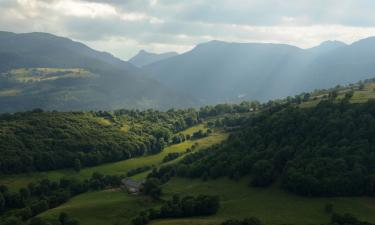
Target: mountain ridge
144, 58
119, 84
219, 71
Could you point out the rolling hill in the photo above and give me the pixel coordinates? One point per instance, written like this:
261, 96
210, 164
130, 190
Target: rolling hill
219, 71
112, 83
144, 58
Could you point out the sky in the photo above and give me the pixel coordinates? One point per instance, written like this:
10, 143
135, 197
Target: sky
123, 27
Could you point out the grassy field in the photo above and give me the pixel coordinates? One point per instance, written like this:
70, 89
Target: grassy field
14, 182
359, 96
108, 207
44, 74
271, 205
115, 206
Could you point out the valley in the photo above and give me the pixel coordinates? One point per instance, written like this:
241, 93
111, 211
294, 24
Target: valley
238, 200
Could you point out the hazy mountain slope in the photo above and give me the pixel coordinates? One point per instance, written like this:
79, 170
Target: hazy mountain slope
116, 83
144, 58
327, 46
219, 71
342, 65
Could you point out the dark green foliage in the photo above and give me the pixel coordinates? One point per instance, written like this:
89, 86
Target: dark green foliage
199, 134
263, 173
38, 221
327, 150
42, 141
45, 141
46, 194
202, 205
138, 170
152, 188
178, 138
65, 219
171, 156
346, 219
2, 202
12, 221
77, 165
247, 221
39, 206
328, 208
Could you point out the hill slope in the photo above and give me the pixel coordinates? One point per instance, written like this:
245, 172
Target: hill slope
218, 71
116, 83
144, 58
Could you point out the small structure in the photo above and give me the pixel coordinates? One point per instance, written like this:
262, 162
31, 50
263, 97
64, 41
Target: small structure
132, 186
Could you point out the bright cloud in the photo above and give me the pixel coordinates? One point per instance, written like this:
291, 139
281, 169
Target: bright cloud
123, 27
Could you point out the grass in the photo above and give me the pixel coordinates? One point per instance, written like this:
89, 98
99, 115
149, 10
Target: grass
194, 129
113, 206
43, 74
108, 207
271, 205
15, 182
359, 96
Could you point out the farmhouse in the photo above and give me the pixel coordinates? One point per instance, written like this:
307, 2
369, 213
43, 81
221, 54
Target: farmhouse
132, 186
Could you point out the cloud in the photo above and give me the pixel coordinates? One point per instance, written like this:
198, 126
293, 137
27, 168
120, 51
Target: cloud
123, 27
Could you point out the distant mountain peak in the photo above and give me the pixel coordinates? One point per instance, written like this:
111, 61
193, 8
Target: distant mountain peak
327, 46
144, 58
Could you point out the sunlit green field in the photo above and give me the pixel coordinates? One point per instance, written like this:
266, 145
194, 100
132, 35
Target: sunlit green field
359, 96
272, 205
107, 207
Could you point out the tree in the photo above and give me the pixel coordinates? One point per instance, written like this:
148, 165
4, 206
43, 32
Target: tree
328, 208
77, 165
38, 207
38, 221
263, 173
12, 221
24, 193
2, 202
152, 188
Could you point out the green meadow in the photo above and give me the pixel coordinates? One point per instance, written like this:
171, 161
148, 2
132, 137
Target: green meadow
272, 205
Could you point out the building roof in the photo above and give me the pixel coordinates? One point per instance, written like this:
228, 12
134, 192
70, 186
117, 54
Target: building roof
130, 183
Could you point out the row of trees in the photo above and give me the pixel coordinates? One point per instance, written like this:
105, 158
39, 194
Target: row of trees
336, 219
39, 197
64, 219
202, 205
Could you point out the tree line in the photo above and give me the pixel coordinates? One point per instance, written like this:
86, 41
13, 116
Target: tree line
177, 207
327, 150
41, 196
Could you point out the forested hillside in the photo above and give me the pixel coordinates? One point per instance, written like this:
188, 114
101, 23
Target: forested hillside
42, 141
327, 150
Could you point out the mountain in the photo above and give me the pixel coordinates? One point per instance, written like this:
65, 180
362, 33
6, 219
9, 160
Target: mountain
144, 58
327, 46
51, 72
219, 71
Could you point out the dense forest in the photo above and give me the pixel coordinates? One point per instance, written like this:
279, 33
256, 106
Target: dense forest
327, 150
42, 141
